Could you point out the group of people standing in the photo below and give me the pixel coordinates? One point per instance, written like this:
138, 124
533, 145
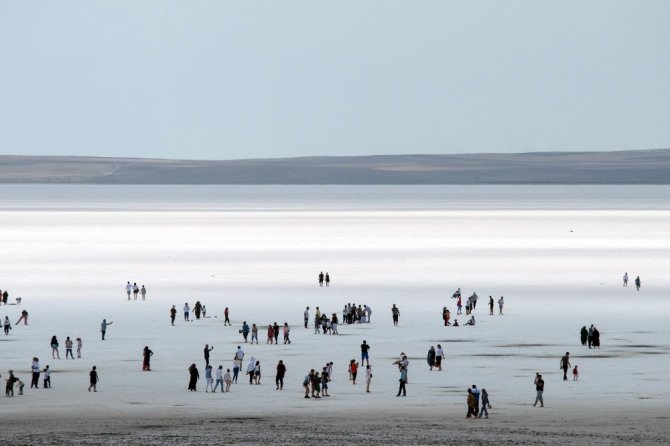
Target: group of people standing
590, 336
69, 344
135, 290
324, 279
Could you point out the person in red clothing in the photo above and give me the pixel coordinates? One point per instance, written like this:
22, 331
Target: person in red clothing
353, 370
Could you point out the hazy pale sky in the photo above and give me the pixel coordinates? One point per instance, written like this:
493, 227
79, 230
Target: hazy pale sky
244, 79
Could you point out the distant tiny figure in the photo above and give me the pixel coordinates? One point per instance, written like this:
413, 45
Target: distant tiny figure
430, 359
254, 333
206, 353
7, 325
219, 379
368, 378
439, 356
197, 309
365, 356
24, 318
225, 314
245, 331
209, 381
54, 348
103, 327
596, 338
539, 388
575, 373
136, 291
187, 310
584, 335
270, 334
455, 323
491, 304
173, 314
68, 348
279, 377
194, 376
321, 278
471, 321
403, 381
459, 306
93, 379
47, 378
565, 365
21, 386
146, 359
353, 370
228, 380
396, 314
204, 312
589, 336
327, 279
306, 316
9, 387
287, 331
638, 283
129, 289
625, 279
456, 294
472, 404
35, 369
79, 346
143, 292
485, 404
501, 302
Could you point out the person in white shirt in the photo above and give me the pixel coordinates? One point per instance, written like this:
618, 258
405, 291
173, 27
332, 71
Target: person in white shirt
219, 378
227, 379
129, 289
187, 310
439, 356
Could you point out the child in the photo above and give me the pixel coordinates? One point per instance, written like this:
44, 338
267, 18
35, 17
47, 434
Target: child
93, 375
79, 345
208, 379
47, 377
575, 374
227, 379
21, 385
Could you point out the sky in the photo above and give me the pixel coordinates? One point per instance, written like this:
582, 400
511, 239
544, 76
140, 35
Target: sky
255, 79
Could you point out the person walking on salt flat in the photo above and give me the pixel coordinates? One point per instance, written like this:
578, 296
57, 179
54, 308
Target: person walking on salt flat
491, 303
565, 365
539, 388
327, 279
194, 376
79, 346
439, 356
136, 290
638, 283
625, 279
129, 289
173, 314
208, 378
501, 302
219, 379
93, 379
306, 316
368, 378
146, 359
187, 310
143, 292
321, 278
395, 312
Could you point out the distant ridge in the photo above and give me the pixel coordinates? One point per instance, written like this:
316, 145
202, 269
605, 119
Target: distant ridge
620, 167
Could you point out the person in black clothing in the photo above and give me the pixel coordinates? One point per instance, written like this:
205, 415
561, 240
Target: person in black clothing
396, 313
565, 365
327, 279
279, 378
146, 361
321, 278
93, 379
491, 303
364, 353
275, 327
539, 387
194, 377
206, 353
173, 314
